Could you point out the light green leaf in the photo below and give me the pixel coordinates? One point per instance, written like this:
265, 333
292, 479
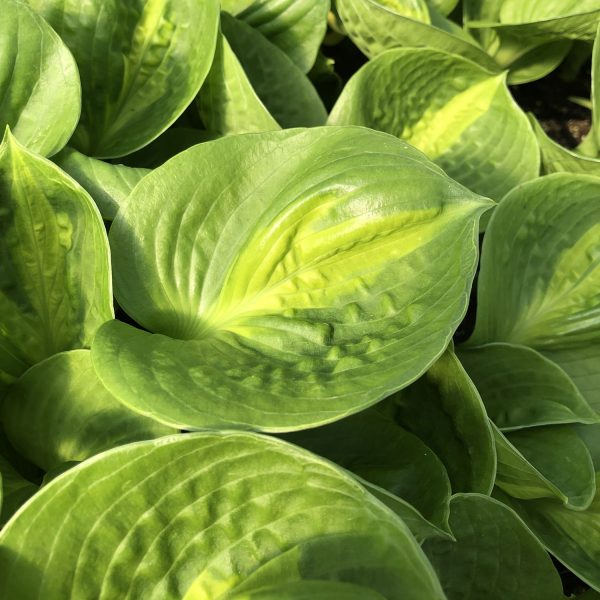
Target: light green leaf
556, 159
539, 284
254, 86
55, 288
376, 26
108, 184
572, 536
306, 288
15, 490
141, 64
582, 364
460, 115
520, 388
373, 446
533, 36
495, 556
595, 88
445, 7
546, 462
58, 411
192, 516
295, 26
444, 409
40, 96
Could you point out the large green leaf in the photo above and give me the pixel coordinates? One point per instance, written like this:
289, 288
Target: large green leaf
141, 63
495, 556
378, 25
572, 536
546, 462
295, 26
108, 184
206, 515
254, 86
444, 409
58, 411
374, 447
540, 268
55, 288
459, 114
40, 96
520, 388
306, 288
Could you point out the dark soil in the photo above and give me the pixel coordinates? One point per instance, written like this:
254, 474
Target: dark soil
548, 99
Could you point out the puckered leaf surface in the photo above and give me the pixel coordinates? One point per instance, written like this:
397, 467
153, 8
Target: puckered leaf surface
458, 113
328, 273
210, 515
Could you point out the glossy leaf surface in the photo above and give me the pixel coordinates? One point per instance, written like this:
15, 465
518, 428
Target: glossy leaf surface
283, 297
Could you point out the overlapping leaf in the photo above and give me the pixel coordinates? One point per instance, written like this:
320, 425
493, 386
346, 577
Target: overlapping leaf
58, 412
204, 516
55, 288
254, 86
298, 292
40, 96
459, 114
141, 63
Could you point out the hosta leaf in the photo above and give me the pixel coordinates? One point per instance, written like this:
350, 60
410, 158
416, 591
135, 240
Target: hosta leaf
58, 411
15, 490
141, 63
374, 447
556, 159
306, 288
55, 288
520, 388
296, 26
540, 268
40, 96
443, 6
531, 37
254, 86
460, 115
572, 536
108, 184
419, 526
583, 366
376, 26
546, 462
444, 409
495, 556
193, 517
